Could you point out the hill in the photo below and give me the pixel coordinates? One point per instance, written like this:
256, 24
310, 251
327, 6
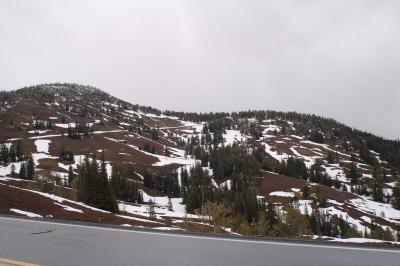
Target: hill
75, 152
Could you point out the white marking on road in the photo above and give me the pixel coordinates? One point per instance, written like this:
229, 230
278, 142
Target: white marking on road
207, 237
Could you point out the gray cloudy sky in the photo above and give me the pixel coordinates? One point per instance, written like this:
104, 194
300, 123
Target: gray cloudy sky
334, 58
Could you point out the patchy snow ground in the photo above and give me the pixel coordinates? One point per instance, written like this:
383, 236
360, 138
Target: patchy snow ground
71, 125
6, 170
60, 199
308, 160
361, 240
232, 136
274, 153
345, 216
270, 128
42, 145
305, 206
335, 171
335, 202
384, 210
161, 207
68, 208
138, 219
38, 131
39, 156
164, 228
227, 184
163, 160
282, 194
29, 214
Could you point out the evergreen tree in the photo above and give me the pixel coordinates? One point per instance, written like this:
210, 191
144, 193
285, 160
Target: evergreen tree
93, 186
19, 152
396, 196
377, 191
293, 167
170, 207
167, 152
105, 198
295, 224
12, 172
152, 212
332, 157
83, 181
70, 176
22, 171
306, 192
62, 153
271, 214
5, 154
12, 154
353, 173
148, 179
30, 168
122, 188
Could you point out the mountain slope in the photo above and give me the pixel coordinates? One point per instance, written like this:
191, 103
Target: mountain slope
342, 179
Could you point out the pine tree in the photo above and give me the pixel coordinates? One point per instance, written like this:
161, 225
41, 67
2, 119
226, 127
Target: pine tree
12, 172
84, 181
396, 196
306, 192
5, 154
152, 212
62, 153
12, 154
377, 191
22, 171
170, 207
148, 179
271, 214
30, 168
106, 198
353, 173
19, 152
70, 176
167, 152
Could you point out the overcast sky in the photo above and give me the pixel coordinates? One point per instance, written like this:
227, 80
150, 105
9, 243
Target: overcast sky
339, 59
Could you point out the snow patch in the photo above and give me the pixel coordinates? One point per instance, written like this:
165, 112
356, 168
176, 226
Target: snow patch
68, 208
282, 194
29, 214
42, 145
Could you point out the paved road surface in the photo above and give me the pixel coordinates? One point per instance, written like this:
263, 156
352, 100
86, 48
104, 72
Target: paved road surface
49, 243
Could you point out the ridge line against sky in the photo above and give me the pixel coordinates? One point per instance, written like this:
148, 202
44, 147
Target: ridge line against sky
336, 59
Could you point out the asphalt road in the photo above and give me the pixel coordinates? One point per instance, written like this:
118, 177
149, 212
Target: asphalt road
48, 243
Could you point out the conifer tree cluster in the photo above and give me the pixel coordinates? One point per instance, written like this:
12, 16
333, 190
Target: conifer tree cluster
11, 153
294, 167
66, 155
79, 131
27, 169
353, 173
42, 125
166, 182
123, 188
93, 186
241, 199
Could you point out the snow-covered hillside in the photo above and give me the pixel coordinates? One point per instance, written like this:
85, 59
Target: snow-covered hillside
317, 166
